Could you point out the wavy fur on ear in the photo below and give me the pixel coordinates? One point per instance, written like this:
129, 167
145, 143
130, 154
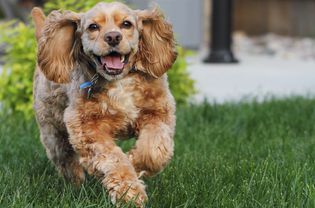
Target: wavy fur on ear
157, 50
39, 19
56, 45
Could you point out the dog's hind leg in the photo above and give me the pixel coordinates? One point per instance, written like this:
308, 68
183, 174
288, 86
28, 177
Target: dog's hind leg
50, 101
60, 152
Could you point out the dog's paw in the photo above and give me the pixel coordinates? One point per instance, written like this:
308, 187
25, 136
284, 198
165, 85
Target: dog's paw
139, 166
125, 192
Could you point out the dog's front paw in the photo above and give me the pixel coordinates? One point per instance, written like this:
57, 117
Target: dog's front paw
122, 192
144, 165
152, 152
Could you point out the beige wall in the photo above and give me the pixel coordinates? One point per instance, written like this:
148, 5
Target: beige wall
287, 17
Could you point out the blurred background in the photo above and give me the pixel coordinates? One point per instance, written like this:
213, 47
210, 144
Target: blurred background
253, 17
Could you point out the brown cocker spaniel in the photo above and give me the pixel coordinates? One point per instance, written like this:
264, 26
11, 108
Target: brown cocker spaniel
101, 76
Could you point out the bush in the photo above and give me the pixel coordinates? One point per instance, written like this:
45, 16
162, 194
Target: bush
74, 5
182, 86
17, 76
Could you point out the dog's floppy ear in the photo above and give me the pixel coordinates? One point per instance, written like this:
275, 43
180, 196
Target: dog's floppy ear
157, 50
39, 19
56, 43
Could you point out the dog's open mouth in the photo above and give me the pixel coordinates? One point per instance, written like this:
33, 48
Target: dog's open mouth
113, 63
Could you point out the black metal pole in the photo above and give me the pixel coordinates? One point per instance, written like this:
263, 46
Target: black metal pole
221, 29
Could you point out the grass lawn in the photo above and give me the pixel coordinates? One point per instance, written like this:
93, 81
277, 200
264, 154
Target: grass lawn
231, 155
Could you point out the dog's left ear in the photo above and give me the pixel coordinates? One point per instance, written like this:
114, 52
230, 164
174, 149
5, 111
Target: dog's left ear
157, 49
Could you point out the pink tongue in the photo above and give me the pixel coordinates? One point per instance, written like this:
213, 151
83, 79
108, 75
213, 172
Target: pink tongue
112, 62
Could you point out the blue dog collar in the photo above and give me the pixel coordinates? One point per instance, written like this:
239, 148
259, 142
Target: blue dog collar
86, 85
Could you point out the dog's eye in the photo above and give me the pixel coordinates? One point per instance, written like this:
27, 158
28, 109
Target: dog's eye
93, 27
126, 24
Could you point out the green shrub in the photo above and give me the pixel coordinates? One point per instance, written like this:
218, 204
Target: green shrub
74, 5
181, 84
17, 76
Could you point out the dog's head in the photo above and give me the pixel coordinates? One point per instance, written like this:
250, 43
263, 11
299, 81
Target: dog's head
110, 37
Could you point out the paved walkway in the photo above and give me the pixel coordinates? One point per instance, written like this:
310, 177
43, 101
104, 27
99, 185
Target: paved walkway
254, 77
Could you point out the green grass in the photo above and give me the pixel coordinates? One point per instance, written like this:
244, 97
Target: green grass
231, 155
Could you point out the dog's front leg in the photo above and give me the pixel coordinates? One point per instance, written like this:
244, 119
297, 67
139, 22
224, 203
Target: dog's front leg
100, 156
154, 147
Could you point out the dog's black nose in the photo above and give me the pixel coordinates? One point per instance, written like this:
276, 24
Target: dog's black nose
113, 38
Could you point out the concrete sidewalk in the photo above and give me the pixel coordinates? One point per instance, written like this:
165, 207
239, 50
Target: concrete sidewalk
254, 77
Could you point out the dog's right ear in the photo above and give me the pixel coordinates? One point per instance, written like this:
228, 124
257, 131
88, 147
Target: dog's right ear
56, 43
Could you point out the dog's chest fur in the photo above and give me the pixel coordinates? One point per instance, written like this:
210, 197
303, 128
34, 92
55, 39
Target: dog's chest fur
119, 107
121, 97
119, 104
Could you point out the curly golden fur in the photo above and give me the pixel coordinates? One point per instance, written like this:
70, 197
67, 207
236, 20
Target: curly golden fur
130, 97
